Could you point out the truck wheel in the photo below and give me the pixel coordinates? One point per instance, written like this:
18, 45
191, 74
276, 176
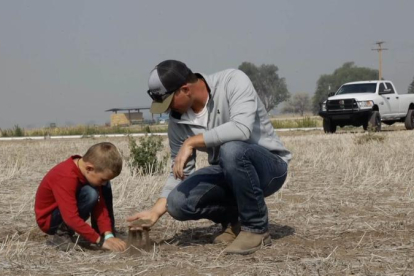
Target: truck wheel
409, 120
329, 126
365, 125
374, 122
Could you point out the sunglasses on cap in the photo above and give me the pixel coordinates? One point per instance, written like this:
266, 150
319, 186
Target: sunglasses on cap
159, 97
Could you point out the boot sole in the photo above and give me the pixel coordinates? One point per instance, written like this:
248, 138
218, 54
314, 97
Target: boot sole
265, 242
222, 242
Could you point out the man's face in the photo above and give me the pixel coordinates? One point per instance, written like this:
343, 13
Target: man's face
181, 101
98, 179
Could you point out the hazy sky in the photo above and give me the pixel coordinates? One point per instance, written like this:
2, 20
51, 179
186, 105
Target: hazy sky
69, 61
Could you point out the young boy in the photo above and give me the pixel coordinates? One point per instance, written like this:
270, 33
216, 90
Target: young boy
76, 189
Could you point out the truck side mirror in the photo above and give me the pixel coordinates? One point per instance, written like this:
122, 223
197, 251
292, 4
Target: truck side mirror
331, 94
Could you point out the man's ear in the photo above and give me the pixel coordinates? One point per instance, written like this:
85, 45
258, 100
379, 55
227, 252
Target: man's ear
186, 89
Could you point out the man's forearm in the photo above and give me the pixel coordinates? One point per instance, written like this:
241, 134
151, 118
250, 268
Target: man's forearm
196, 141
160, 207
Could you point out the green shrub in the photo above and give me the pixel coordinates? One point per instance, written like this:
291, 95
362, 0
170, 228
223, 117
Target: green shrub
143, 157
16, 131
4, 133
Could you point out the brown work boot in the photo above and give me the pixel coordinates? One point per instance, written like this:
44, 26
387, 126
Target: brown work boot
229, 234
247, 243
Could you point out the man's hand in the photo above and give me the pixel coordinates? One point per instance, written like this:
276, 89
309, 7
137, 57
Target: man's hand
114, 244
185, 152
180, 160
149, 216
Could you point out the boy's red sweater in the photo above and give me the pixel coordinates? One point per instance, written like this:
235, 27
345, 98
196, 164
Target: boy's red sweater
58, 189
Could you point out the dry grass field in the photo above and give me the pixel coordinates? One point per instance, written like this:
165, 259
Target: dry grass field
346, 209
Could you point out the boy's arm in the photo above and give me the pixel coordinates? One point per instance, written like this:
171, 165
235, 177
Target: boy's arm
65, 195
105, 226
100, 212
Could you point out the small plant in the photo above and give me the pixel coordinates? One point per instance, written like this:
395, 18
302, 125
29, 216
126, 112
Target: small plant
16, 131
4, 132
143, 157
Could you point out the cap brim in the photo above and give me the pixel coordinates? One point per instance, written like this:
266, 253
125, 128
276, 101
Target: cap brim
161, 107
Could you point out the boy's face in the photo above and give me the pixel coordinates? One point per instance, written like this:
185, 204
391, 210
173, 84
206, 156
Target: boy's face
96, 178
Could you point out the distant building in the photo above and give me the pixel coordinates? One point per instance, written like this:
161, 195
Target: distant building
163, 119
130, 116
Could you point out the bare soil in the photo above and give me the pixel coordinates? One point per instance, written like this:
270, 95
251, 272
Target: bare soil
346, 209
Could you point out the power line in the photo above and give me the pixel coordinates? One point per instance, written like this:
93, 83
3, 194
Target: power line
379, 50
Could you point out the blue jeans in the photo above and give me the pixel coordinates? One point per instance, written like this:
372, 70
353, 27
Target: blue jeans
234, 190
87, 197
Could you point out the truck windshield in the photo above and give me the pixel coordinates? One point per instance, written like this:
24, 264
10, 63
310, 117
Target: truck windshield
357, 88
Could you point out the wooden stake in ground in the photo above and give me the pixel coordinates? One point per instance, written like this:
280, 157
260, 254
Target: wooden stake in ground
138, 239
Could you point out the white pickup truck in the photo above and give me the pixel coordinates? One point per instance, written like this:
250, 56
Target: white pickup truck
367, 104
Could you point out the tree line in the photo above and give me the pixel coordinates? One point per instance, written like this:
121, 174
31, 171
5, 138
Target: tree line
272, 88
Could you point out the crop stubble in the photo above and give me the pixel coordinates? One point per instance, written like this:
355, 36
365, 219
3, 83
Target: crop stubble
346, 209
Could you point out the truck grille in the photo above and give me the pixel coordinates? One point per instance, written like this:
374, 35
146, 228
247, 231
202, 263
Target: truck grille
341, 105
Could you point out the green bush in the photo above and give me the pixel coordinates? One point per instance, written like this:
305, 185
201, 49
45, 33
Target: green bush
3, 132
16, 131
143, 157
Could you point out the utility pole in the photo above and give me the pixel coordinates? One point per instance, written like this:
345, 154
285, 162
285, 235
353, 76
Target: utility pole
379, 50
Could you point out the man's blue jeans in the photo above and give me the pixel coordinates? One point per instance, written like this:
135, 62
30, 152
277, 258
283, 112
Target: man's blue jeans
87, 197
233, 190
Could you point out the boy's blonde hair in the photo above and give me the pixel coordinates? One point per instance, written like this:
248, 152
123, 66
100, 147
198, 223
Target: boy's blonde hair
104, 156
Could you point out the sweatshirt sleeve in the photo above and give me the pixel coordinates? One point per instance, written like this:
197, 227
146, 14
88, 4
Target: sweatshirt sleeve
242, 99
175, 142
65, 195
101, 214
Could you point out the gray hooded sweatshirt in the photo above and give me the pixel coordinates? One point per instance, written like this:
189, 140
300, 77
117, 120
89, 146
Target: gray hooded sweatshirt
235, 113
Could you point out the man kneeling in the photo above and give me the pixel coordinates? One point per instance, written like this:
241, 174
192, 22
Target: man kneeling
222, 115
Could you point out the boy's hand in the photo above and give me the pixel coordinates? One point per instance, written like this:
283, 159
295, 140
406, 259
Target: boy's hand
114, 244
148, 218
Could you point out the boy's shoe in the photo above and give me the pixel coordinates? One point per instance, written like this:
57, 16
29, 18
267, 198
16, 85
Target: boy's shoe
62, 239
247, 243
81, 241
229, 234
61, 242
